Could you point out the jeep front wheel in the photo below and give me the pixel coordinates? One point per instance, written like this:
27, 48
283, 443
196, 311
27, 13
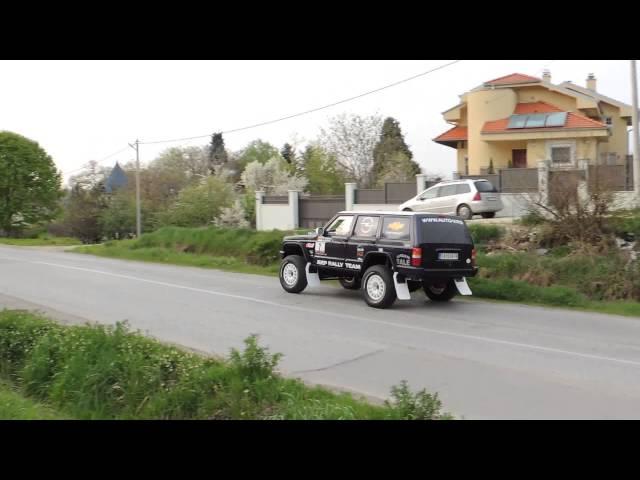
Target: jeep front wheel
293, 277
378, 288
440, 291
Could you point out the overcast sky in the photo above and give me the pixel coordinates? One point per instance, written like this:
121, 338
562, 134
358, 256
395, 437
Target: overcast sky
85, 110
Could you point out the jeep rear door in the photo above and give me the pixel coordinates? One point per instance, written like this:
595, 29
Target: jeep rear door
446, 242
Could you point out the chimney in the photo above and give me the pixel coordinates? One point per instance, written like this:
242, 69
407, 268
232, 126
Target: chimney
591, 82
546, 76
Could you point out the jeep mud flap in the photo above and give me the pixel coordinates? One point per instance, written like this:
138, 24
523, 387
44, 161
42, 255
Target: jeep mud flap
462, 286
313, 279
402, 289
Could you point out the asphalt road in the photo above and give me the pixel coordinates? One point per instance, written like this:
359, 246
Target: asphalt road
486, 360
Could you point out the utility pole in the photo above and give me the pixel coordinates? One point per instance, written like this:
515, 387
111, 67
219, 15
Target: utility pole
136, 147
636, 136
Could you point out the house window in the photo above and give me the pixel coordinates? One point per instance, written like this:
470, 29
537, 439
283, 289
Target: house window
561, 154
608, 121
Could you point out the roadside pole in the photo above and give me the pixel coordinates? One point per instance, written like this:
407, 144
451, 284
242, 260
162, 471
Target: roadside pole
136, 147
636, 139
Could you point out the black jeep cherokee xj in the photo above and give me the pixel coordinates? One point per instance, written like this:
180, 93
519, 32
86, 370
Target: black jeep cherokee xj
386, 254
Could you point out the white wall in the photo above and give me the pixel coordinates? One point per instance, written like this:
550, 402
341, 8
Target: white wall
276, 217
515, 205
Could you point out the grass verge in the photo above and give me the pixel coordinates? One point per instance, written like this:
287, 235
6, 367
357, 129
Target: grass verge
14, 406
109, 372
40, 241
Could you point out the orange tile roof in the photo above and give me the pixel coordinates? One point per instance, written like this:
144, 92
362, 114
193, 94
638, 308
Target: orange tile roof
574, 121
535, 107
513, 78
452, 135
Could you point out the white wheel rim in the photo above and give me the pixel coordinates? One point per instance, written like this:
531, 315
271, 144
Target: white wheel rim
376, 288
464, 212
290, 274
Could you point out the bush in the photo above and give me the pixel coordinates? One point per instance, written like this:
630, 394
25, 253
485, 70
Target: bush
482, 234
108, 372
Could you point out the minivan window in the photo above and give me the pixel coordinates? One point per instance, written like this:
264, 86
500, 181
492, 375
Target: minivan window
462, 188
447, 190
429, 194
485, 186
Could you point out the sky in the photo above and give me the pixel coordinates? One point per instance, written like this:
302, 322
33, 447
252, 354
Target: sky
86, 110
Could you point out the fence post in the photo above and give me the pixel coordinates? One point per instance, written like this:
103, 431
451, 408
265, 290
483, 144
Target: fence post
583, 165
293, 208
421, 183
456, 175
349, 195
259, 200
543, 181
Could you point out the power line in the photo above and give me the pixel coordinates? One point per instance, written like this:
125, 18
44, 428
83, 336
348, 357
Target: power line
97, 161
268, 122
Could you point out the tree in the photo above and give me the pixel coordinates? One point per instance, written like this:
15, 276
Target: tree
390, 143
198, 205
217, 153
232, 217
118, 218
398, 168
273, 177
188, 162
289, 154
322, 171
257, 151
83, 211
29, 183
351, 139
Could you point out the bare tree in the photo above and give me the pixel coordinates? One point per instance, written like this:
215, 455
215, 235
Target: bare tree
351, 139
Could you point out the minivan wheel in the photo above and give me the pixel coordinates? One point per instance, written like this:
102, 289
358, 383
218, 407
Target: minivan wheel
352, 283
293, 277
378, 288
440, 291
488, 214
465, 212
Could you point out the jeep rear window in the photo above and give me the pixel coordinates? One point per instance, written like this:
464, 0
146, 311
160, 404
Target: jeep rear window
485, 186
443, 230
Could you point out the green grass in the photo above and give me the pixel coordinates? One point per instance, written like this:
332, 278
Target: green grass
169, 256
40, 241
100, 372
14, 406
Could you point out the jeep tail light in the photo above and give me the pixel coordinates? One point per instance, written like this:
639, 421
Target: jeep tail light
477, 197
473, 257
416, 257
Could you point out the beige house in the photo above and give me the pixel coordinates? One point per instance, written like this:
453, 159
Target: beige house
518, 120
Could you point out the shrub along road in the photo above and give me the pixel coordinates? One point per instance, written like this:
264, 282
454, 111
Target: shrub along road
486, 360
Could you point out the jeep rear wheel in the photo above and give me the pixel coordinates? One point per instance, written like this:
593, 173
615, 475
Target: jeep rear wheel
293, 276
440, 291
378, 288
352, 283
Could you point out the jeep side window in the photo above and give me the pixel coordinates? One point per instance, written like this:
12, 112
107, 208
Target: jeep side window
366, 227
341, 226
396, 228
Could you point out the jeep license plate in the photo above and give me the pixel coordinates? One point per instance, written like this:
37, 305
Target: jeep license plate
448, 256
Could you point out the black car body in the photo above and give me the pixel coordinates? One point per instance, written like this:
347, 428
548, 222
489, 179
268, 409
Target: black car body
414, 249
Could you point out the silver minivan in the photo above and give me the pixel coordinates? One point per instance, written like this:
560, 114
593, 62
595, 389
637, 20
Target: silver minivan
464, 198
